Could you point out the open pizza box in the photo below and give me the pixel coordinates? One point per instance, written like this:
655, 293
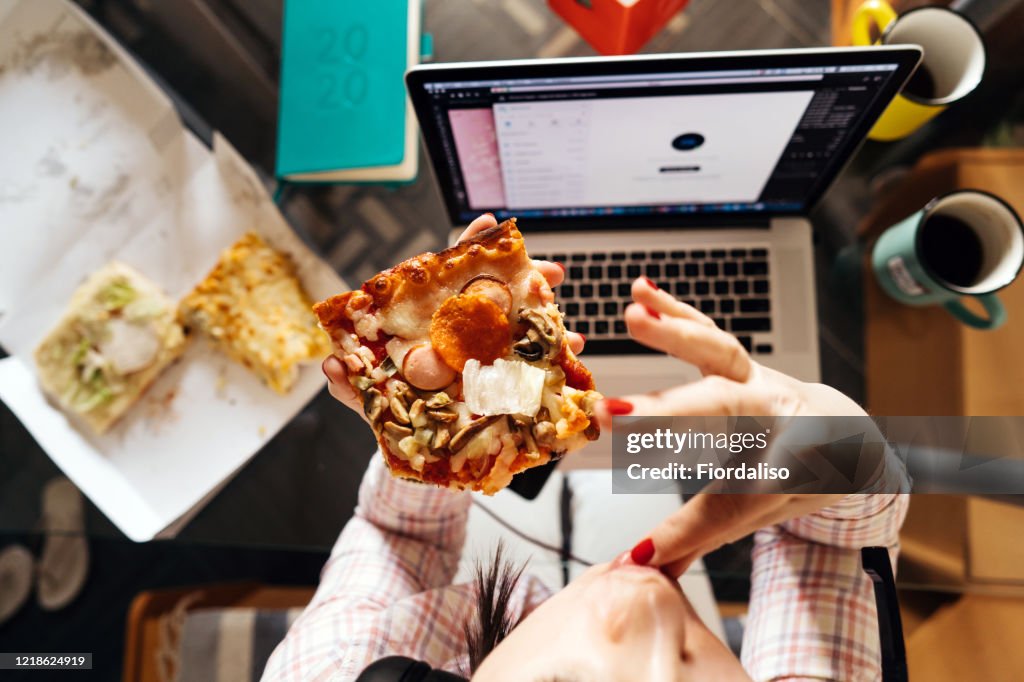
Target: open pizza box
96, 165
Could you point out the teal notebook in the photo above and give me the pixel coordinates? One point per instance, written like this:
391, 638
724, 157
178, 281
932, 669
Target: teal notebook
343, 114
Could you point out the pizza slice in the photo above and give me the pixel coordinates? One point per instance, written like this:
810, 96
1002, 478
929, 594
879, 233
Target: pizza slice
255, 310
462, 364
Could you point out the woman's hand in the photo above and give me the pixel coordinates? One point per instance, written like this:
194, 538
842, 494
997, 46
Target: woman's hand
334, 370
733, 385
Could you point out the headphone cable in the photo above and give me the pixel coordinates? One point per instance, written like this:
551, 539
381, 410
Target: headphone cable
532, 540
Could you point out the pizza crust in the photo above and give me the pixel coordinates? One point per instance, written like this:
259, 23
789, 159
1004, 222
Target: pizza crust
482, 300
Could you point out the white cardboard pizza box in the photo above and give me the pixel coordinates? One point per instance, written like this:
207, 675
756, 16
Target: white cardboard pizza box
96, 165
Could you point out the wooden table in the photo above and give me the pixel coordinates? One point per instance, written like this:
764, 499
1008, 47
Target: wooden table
921, 361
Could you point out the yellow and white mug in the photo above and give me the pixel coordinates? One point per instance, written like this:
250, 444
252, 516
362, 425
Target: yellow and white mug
953, 63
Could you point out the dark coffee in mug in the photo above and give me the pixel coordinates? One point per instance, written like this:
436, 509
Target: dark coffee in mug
952, 250
967, 244
921, 84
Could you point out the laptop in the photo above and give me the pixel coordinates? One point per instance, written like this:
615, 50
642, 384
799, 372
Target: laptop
697, 171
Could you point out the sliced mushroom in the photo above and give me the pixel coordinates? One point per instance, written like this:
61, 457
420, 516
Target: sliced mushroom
549, 331
418, 413
399, 387
424, 436
439, 400
528, 350
373, 404
397, 430
460, 439
491, 287
441, 438
544, 432
443, 416
398, 409
361, 383
529, 442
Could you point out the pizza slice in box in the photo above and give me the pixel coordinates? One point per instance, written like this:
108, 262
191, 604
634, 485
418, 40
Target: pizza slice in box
463, 365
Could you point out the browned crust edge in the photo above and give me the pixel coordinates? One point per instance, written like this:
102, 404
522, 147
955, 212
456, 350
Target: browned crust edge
419, 270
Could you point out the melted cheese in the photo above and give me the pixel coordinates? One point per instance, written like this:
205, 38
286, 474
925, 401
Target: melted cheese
410, 318
254, 307
366, 324
349, 342
487, 442
500, 474
398, 348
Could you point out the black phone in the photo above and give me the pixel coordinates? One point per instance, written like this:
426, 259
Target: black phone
529, 483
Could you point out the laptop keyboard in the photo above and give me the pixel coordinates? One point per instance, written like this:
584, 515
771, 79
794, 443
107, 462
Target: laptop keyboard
731, 286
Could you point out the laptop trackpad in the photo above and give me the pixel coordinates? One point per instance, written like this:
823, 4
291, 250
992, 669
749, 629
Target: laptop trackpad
626, 374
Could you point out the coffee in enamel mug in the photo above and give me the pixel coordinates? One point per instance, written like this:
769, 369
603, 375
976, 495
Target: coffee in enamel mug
964, 244
952, 67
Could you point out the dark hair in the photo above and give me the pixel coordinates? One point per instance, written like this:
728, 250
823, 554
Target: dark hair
494, 584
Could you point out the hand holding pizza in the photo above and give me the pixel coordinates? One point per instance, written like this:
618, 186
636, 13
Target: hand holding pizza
733, 385
428, 367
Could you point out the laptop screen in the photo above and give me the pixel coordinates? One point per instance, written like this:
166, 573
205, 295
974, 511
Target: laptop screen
666, 140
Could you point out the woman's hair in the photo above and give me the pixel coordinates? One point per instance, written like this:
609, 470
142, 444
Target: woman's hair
494, 583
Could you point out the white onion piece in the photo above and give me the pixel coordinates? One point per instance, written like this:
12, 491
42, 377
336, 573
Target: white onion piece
506, 387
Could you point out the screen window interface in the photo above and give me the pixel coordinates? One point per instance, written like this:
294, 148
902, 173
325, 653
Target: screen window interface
703, 141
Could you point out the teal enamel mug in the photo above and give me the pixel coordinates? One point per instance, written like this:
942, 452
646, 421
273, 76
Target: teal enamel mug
966, 244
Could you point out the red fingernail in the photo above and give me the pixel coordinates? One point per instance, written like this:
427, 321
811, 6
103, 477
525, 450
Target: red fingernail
650, 282
643, 552
653, 313
489, 213
323, 367
561, 266
583, 337
617, 407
